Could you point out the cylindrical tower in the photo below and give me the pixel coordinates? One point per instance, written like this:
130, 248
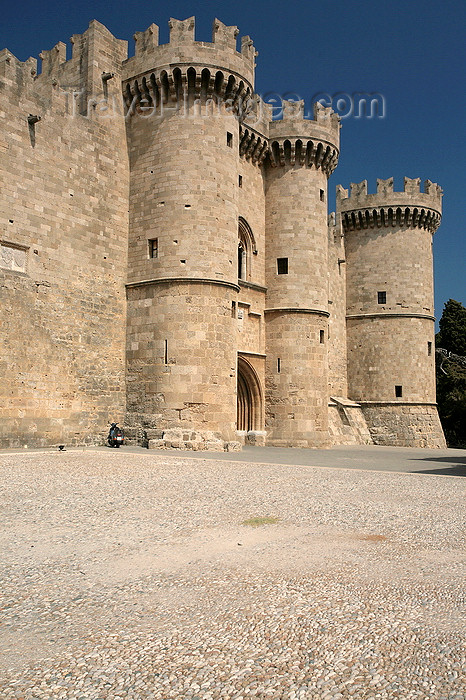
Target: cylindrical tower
303, 154
390, 309
183, 135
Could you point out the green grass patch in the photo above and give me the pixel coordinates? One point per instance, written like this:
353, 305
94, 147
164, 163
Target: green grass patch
258, 521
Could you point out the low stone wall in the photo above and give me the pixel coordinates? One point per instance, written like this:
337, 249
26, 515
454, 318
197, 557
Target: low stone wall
404, 425
179, 439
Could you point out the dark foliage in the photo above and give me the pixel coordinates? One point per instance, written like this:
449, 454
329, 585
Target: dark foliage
451, 373
452, 333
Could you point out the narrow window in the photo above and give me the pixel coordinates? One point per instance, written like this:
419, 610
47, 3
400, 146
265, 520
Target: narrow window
233, 309
381, 297
240, 180
322, 336
241, 261
398, 391
279, 365
429, 348
282, 266
165, 351
153, 248
322, 196
229, 140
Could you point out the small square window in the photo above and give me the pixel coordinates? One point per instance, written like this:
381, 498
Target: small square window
240, 180
381, 297
398, 391
229, 140
153, 247
282, 266
322, 196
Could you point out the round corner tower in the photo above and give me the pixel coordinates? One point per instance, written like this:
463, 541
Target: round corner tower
183, 140
390, 309
302, 155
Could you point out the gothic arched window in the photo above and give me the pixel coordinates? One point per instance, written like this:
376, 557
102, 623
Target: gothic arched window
246, 248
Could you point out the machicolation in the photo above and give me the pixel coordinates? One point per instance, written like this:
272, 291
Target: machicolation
168, 261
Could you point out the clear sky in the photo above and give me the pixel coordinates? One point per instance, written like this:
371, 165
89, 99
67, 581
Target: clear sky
411, 51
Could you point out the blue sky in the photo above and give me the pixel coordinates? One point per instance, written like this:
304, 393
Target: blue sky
412, 52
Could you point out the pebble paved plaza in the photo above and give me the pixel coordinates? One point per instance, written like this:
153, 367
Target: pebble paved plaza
130, 576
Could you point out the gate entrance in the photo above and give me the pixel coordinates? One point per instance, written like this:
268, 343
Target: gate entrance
249, 398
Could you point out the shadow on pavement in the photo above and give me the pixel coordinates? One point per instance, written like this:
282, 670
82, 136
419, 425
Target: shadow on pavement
448, 471
446, 458
457, 468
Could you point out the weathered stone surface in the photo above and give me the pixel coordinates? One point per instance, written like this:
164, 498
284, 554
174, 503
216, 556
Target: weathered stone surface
171, 264
233, 446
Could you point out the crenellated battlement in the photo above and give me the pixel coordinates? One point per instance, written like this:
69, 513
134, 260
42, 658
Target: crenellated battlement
293, 118
97, 57
147, 41
385, 188
409, 208
187, 74
53, 59
15, 71
184, 51
312, 142
188, 234
258, 115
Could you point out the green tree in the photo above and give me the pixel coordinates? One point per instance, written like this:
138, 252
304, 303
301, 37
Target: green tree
451, 373
452, 333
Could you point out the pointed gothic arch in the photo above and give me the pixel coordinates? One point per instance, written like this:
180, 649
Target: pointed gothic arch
246, 248
249, 398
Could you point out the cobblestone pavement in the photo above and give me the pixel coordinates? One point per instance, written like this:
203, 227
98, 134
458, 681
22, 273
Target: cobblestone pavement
128, 576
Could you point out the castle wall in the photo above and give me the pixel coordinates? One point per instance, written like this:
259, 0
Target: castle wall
302, 154
404, 425
296, 380
251, 207
226, 281
184, 200
250, 320
181, 366
195, 222
62, 260
193, 218
337, 356
390, 322
388, 351
296, 221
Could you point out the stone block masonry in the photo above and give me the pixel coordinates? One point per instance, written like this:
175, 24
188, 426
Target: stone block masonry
167, 259
64, 206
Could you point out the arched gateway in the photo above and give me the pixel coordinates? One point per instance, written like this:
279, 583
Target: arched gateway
249, 398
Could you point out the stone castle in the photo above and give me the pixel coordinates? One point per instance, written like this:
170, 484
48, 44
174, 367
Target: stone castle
167, 260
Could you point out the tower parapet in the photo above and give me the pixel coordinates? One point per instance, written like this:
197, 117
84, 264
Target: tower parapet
389, 208
242, 298
390, 307
254, 129
208, 69
311, 142
302, 155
